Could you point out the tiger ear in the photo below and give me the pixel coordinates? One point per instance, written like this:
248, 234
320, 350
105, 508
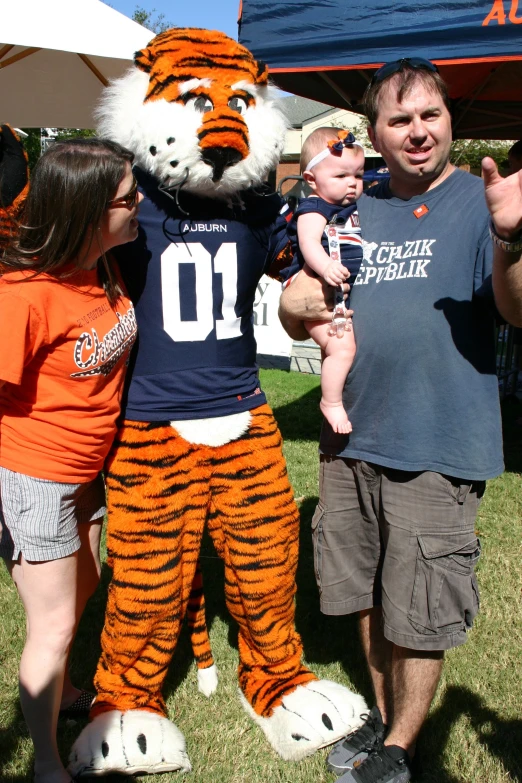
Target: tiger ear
262, 72
144, 59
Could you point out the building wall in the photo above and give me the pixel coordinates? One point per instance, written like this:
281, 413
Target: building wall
286, 169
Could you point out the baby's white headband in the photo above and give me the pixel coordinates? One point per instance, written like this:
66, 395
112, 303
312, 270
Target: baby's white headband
335, 147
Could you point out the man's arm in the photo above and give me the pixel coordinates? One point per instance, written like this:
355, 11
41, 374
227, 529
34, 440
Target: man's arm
504, 200
307, 298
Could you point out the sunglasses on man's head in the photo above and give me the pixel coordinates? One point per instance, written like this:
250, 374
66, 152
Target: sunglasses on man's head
388, 69
129, 200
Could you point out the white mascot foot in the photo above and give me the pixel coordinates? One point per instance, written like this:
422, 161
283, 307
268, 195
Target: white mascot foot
311, 717
128, 743
208, 680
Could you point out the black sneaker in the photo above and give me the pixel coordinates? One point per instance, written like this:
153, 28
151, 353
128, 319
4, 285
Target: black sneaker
356, 746
387, 764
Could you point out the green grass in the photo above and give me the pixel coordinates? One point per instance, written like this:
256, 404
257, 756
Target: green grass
474, 730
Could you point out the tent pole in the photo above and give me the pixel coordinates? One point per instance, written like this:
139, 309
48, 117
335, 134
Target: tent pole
330, 82
5, 49
365, 75
20, 56
91, 66
473, 97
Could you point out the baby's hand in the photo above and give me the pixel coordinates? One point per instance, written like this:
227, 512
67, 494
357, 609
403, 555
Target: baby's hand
335, 273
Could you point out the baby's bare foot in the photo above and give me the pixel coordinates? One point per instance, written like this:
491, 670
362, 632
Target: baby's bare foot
335, 415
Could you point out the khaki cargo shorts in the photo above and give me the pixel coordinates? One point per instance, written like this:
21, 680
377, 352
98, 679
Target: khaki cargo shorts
405, 541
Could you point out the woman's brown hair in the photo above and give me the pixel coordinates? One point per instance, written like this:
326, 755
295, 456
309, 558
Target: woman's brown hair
71, 186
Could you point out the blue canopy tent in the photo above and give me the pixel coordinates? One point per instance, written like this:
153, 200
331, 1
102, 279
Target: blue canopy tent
328, 50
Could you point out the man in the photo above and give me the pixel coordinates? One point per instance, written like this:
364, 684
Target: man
394, 529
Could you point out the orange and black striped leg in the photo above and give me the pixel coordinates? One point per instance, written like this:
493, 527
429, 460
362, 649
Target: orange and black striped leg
207, 671
254, 523
156, 519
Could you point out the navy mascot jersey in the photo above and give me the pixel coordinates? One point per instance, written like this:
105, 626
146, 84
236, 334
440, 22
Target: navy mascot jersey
346, 232
192, 274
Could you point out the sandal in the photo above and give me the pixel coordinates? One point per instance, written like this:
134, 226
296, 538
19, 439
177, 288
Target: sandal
79, 708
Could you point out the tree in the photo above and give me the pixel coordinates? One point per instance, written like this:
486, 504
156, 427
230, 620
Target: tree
32, 144
471, 152
39, 138
62, 134
157, 24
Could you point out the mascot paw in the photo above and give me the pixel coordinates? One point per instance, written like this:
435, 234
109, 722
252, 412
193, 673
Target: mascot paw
128, 743
311, 717
208, 680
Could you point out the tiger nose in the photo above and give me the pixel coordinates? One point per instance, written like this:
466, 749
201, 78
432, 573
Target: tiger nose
220, 158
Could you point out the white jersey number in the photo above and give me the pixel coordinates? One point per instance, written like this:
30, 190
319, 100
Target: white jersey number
225, 262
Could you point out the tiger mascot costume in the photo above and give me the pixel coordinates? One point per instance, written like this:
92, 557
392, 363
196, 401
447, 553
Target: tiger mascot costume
199, 445
14, 182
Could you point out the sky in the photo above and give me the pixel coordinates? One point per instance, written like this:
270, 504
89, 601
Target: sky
212, 14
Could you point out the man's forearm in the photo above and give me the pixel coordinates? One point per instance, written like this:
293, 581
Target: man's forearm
292, 324
304, 300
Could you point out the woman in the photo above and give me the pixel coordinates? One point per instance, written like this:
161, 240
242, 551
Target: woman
66, 330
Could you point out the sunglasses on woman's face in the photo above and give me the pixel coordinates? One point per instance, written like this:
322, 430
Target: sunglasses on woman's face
388, 69
129, 200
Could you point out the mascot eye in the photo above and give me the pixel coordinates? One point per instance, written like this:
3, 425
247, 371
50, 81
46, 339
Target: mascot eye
238, 104
200, 103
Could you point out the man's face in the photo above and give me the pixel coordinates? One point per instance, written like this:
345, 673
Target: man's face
413, 137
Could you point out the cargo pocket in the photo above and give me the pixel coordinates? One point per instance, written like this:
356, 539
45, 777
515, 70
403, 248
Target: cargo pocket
317, 539
445, 597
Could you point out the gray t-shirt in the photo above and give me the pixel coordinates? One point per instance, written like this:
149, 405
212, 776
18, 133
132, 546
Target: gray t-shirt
423, 393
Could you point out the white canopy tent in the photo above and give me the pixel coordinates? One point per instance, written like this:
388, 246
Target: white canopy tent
55, 57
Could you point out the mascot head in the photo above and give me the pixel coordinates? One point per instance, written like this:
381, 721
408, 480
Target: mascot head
196, 110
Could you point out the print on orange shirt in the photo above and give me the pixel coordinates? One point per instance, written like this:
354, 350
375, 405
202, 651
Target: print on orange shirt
94, 356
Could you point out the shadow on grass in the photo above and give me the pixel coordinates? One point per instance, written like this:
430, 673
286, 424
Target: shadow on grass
300, 419
11, 738
502, 739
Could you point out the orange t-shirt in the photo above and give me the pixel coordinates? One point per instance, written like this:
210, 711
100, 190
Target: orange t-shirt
63, 355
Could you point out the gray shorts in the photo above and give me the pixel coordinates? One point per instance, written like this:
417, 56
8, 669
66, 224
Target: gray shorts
40, 518
402, 540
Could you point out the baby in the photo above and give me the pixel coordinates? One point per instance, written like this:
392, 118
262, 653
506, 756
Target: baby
326, 237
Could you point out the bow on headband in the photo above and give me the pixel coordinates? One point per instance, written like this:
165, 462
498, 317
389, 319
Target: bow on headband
335, 147
344, 139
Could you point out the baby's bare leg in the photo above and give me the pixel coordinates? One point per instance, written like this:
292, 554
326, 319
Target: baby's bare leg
339, 354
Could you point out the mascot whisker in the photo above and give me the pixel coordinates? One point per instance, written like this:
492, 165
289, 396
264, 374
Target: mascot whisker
199, 446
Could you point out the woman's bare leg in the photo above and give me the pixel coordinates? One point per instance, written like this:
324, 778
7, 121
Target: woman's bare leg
54, 594
48, 593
